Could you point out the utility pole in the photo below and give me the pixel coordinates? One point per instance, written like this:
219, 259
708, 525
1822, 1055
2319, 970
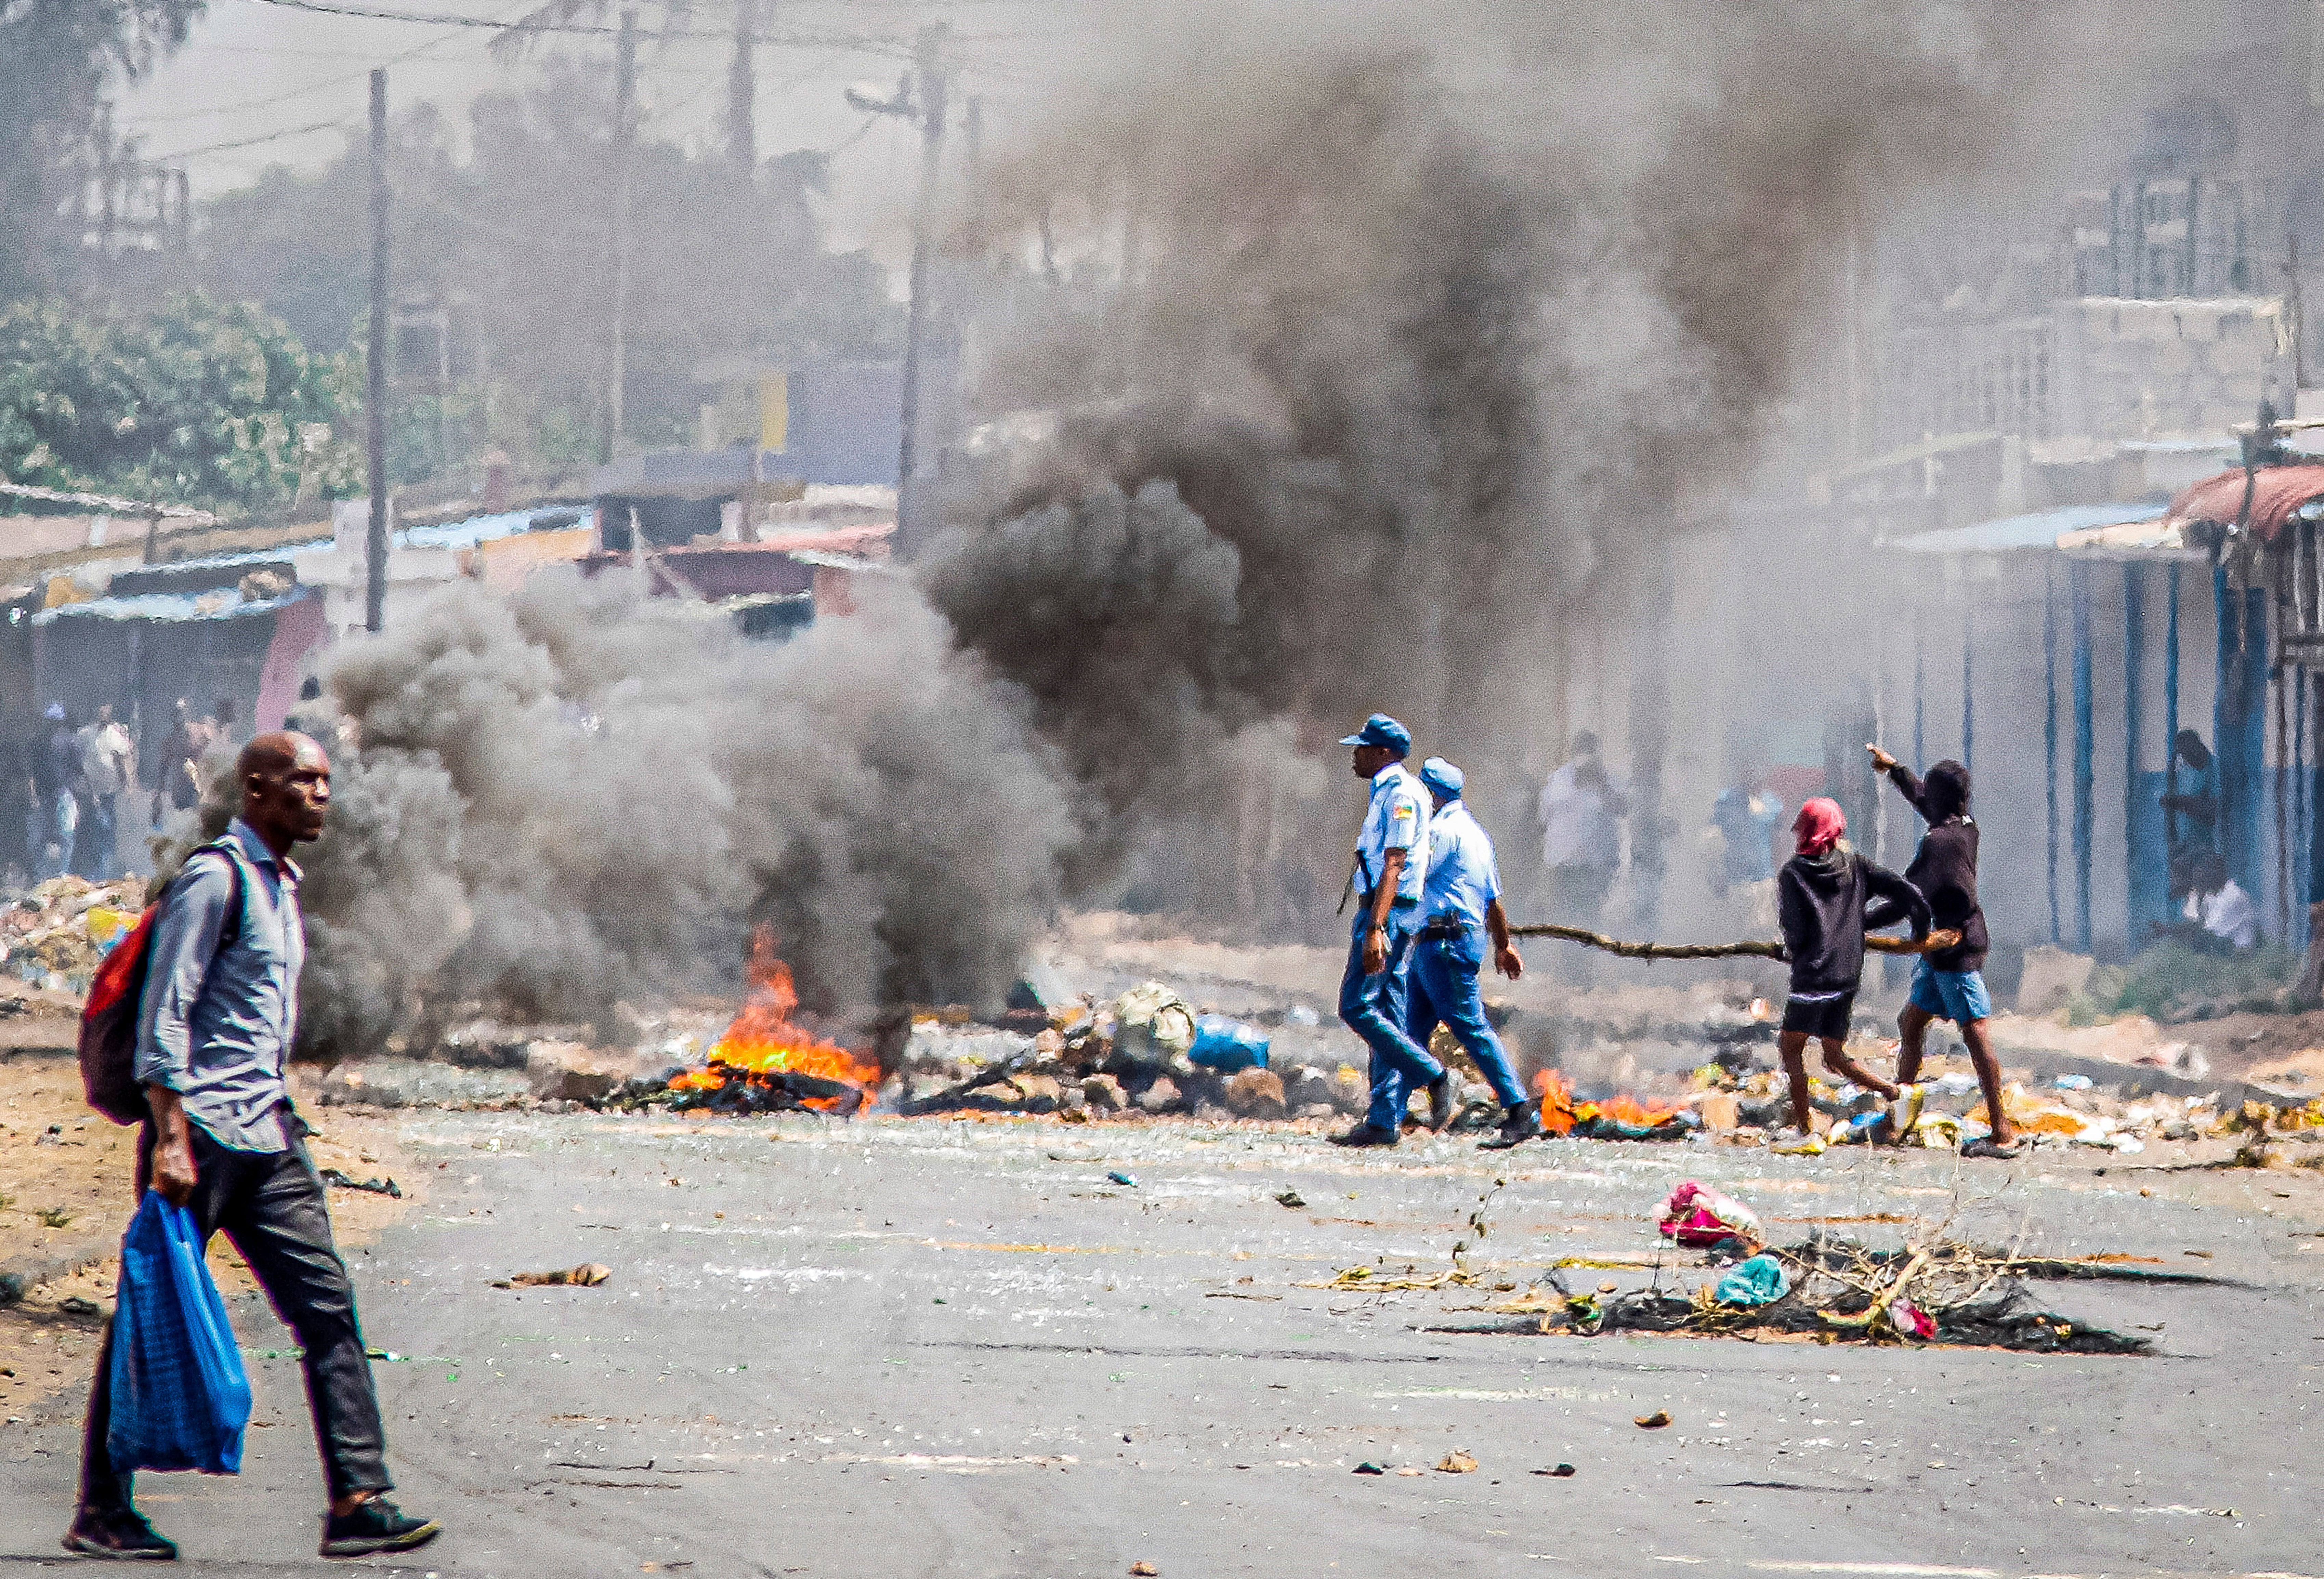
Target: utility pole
928, 58
625, 98
375, 370
741, 96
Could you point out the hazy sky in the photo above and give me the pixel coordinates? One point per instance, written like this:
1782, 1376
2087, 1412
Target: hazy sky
261, 75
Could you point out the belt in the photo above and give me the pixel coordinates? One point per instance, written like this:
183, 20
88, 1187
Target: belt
1447, 926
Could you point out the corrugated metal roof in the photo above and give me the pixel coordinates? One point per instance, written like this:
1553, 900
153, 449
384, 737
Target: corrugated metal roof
221, 604
2040, 529
2160, 539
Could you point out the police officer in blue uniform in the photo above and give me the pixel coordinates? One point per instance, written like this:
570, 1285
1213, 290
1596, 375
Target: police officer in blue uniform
1391, 869
1460, 907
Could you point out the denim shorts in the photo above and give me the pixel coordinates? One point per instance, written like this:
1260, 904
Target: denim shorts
1959, 996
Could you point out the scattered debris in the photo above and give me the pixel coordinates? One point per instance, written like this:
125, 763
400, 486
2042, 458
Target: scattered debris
1457, 1463
1369, 1468
1144, 1570
1654, 1422
587, 1275
1292, 1199
1562, 1472
377, 1187
1119, 1177
55, 935
1700, 1217
77, 1306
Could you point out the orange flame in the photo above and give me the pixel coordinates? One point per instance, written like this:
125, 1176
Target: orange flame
762, 1039
1560, 1113
1557, 1115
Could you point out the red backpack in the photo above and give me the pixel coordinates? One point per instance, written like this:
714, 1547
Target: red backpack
109, 1020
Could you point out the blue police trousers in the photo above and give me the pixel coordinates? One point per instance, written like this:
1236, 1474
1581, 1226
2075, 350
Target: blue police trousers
1373, 1007
1445, 972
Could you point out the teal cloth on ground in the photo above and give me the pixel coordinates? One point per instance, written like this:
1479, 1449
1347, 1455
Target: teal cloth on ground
1761, 1280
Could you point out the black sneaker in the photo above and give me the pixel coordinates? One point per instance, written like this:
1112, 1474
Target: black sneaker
375, 1525
1366, 1135
123, 1534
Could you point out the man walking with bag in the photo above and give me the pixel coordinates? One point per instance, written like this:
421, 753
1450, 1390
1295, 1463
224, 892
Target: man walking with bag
214, 1030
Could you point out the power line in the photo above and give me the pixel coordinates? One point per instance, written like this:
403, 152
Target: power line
869, 44
338, 125
252, 104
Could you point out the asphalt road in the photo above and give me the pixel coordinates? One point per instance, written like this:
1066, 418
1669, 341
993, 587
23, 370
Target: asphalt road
946, 1347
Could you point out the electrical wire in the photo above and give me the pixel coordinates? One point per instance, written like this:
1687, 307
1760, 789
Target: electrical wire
341, 124
867, 43
252, 104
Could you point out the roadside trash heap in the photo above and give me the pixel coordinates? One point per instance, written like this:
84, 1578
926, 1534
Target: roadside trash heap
1835, 1289
1147, 1053
54, 936
2065, 1110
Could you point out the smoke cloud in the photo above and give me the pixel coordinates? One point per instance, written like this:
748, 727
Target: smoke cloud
580, 796
1370, 362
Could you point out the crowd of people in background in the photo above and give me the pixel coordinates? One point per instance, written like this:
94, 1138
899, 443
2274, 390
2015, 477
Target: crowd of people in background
88, 792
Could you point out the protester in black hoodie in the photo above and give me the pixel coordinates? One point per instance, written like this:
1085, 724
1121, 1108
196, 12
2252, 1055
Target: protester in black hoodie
1949, 983
1824, 898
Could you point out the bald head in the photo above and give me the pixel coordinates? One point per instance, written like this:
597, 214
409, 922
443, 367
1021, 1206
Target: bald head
286, 787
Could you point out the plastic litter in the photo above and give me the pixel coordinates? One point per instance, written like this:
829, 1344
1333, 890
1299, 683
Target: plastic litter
1227, 1046
1119, 1177
1654, 1422
1153, 1026
180, 1397
1910, 1319
1700, 1217
2071, 1083
1761, 1280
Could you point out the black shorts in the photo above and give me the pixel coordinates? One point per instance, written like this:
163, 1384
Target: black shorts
1820, 1017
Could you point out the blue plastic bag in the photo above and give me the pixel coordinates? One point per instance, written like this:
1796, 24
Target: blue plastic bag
1227, 1046
1761, 1280
181, 1397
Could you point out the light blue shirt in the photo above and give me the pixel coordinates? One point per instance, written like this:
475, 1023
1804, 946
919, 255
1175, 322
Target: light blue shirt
1463, 877
216, 1024
1398, 819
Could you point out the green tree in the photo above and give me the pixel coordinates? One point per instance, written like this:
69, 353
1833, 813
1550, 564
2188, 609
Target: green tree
188, 400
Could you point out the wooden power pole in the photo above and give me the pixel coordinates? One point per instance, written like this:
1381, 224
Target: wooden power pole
928, 63
625, 134
375, 370
742, 96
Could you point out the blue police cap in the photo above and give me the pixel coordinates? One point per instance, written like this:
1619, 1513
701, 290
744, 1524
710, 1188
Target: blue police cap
1442, 776
1379, 729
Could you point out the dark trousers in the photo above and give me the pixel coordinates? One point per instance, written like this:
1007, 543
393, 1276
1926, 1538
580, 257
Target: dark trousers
99, 825
1445, 990
270, 1205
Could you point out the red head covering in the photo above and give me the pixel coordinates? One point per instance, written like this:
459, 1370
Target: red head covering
1820, 826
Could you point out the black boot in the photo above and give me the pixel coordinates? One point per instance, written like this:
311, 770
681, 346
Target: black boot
1521, 1124
1366, 1135
1440, 1101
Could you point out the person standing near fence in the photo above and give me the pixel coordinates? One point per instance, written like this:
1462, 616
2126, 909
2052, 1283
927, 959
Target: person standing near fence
214, 1028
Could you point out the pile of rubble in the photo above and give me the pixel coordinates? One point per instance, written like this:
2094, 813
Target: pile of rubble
54, 936
1147, 1052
